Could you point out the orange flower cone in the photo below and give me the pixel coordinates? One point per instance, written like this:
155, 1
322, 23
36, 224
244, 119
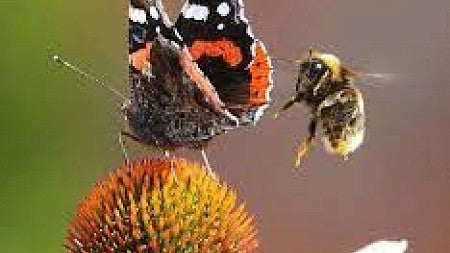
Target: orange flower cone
144, 207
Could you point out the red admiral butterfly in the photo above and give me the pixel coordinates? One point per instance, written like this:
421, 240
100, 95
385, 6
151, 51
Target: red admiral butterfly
195, 79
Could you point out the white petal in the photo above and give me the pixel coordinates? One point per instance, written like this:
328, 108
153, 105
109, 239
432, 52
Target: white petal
385, 247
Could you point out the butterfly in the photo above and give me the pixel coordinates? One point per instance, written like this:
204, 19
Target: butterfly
195, 79
192, 80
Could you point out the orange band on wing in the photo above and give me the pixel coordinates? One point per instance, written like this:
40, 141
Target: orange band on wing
260, 71
224, 48
141, 57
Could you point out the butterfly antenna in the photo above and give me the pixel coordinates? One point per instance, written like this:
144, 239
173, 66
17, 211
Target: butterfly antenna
88, 76
207, 164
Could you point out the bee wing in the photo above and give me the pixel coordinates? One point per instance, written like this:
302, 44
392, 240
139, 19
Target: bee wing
374, 79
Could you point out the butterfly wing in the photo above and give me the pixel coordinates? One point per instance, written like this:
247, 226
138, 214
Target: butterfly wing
221, 41
146, 20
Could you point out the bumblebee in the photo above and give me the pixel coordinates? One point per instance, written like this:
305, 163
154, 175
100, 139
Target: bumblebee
336, 105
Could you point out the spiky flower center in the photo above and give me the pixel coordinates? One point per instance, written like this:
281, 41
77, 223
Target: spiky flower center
161, 205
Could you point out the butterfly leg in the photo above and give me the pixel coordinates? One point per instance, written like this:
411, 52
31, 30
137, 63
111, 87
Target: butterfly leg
172, 165
122, 134
122, 147
207, 164
306, 144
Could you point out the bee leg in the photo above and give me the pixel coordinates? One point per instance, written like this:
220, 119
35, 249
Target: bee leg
288, 104
293, 100
122, 134
301, 79
320, 82
330, 100
306, 144
207, 164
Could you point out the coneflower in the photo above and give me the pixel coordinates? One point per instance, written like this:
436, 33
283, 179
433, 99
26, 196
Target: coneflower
145, 207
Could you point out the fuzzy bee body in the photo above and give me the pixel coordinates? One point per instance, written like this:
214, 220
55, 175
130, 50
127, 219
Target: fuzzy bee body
343, 123
336, 105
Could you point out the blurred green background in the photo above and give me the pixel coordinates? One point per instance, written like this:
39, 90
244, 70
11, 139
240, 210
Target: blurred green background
51, 151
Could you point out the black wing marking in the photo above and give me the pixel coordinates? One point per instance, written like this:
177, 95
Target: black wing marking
224, 20
216, 19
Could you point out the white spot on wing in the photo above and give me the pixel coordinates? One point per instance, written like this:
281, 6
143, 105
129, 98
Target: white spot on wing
137, 15
196, 12
223, 9
220, 26
154, 13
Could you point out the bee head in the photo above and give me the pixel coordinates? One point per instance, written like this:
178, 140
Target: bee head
317, 64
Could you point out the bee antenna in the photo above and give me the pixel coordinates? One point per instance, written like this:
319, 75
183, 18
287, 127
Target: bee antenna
310, 53
88, 76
